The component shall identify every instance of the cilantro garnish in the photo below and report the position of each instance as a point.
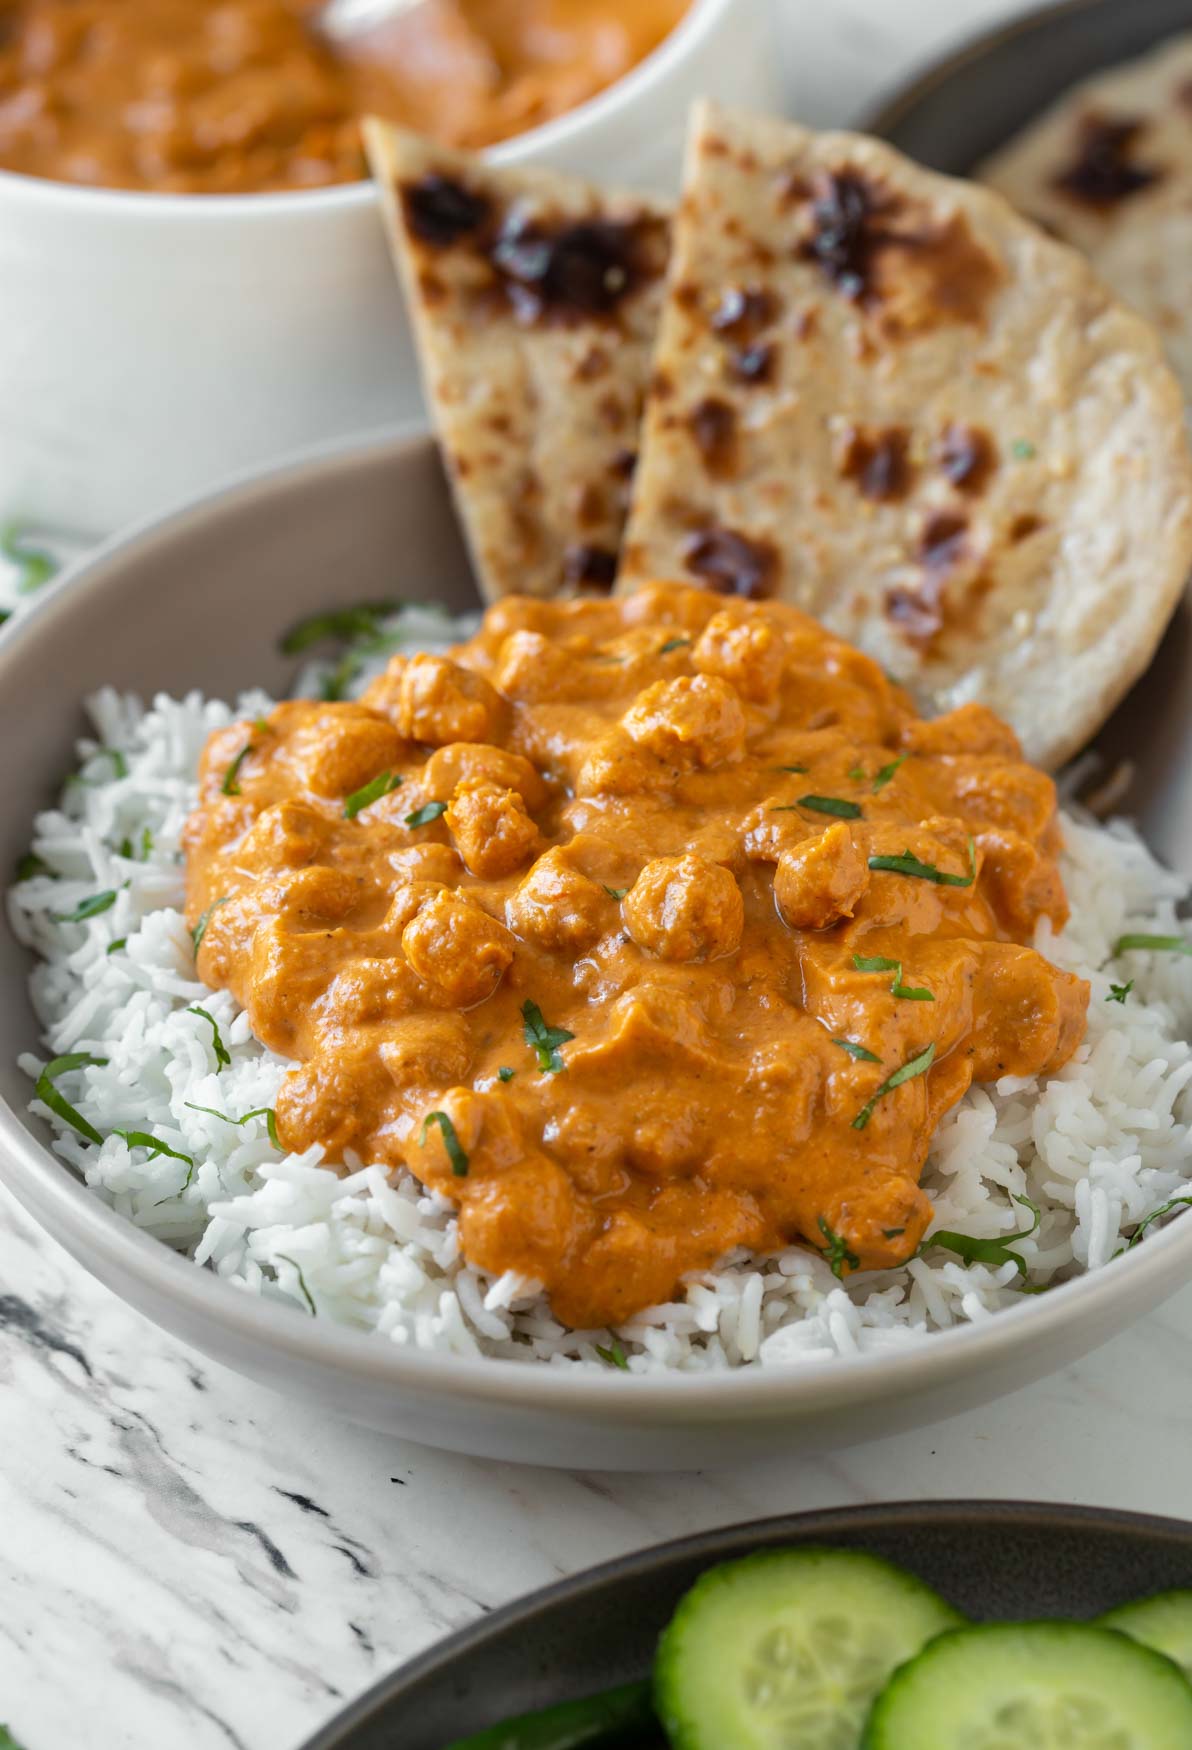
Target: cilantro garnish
(800, 771)
(972, 1250)
(857, 1051)
(265, 1112)
(223, 1056)
(882, 778)
(673, 644)
(119, 768)
(428, 812)
(1153, 944)
(831, 805)
(371, 792)
(505, 1074)
(617, 893)
(146, 1139)
(544, 1041)
(91, 907)
(1155, 1215)
(915, 1066)
(200, 929)
(30, 865)
(231, 778)
(836, 1252)
(905, 992)
(112, 948)
(451, 1142)
(361, 621)
(306, 1294)
(1119, 992)
(613, 1356)
(908, 864)
(337, 680)
(47, 1091)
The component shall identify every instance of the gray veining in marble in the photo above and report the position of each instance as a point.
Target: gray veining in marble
(185, 1561)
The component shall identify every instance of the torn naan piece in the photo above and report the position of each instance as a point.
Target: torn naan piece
(885, 397)
(535, 301)
(1109, 169)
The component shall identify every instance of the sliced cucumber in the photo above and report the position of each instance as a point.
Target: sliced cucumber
(1163, 1622)
(786, 1649)
(1034, 1686)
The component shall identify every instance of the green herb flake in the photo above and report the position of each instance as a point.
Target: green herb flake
(544, 1041)
(146, 1139)
(146, 845)
(30, 865)
(5, 616)
(335, 683)
(1153, 944)
(265, 1112)
(428, 812)
(451, 1142)
(617, 893)
(125, 849)
(360, 621)
(262, 726)
(858, 774)
(47, 1091)
(836, 1251)
(200, 929)
(904, 992)
(613, 1356)
(914, 1066)
(971, 1250)
(505, 1074)
(223, 1056)
(673, 644)
(7, 1741)
(1156, 1215)
(34, 565)
(306, 1293)
(831, 805)
(857, 1051)
(119, 768)
(381, 785)
(892, 1233)
(883, 777)
(92, 907)
(1119, 992)
(908, 864)
(1023, 450)
(800, 771)
(115, 947)
(231, 778)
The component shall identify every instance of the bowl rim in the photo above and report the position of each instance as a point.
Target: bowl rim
(888, 109)
(635, 83)
(65, 1204)
(719, 1543)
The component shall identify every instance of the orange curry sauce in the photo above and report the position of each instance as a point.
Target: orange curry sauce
(661, 820)
(237, 96)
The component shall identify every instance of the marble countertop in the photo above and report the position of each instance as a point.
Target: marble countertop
(186, 1560)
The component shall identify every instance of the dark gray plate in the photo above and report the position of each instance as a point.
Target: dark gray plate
(966, 106)
(990, 1558)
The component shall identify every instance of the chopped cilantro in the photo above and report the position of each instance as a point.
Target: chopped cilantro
(914, 1066)
(265, 1112)
(613, 1356)
(451, 1142)
(200, 929)
(115, 947)
(836, 1252)
(91, 907)
(47, 1091)
(831, 805)
(908, 864)
(1155, 1215)
(34, 565)
(30, 865)
(1153, 944)
(505, 1074)
(222, 1055)
(428, 812)
(381, 785)
(972, 1250)
(673, 644)
(146, 1139)
(617, 893)
(857, 1051)
(882, 778)
(544, 1041)
(1119, 992)
(231, 778)
(361, 621)
(905, 992)
(306, 1294)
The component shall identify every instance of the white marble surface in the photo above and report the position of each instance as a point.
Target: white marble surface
(187, 1562)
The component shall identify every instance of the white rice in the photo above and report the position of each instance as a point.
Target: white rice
(1097, 1148)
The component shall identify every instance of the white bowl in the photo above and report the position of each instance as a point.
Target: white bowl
(238, 568)
(152, 345)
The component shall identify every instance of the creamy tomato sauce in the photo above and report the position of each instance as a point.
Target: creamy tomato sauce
(671, 909)
(235, 96)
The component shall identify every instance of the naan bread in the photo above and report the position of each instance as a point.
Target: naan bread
(885, 397)
(535, 301)
(1109, 168)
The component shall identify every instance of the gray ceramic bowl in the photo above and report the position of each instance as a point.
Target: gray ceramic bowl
(198, 600)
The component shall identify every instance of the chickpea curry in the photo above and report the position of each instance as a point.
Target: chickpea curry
(641, 929)
(240, 96)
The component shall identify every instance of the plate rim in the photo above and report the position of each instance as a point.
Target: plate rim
(724, 1543)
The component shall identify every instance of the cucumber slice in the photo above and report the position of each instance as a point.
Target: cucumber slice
(786, 1649)
(1034, 1686)
(1163, 1622)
